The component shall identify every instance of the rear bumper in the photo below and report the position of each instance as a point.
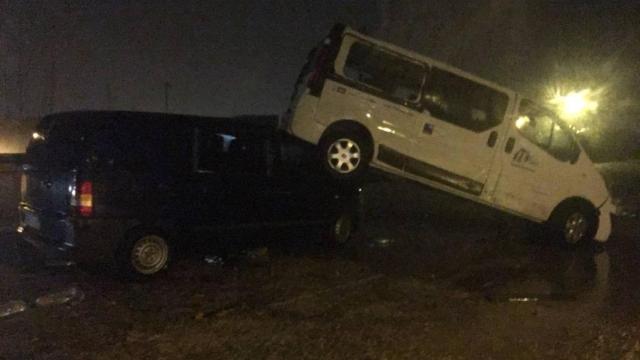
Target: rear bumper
(79, 240)
(301, 121)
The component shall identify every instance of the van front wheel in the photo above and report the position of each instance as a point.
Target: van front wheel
(345, 155)
(575, 225)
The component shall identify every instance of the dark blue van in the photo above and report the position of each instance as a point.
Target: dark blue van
(130, 188)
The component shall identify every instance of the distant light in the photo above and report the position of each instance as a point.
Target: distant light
(368, 115)
(575, 104)
(580, 131)
(37, 136)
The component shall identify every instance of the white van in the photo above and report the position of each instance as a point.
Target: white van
(366, 103)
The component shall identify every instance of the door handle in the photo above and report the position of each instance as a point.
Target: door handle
(493, 137)
(511, 142)
(427, 129)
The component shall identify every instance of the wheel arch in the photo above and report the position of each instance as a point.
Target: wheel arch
(574, 201)
(351, 125)
(139, 227)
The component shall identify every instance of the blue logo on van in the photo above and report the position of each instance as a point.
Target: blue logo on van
(522, 158)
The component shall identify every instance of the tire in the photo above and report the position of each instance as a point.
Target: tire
(341, 229)
(345, 154)
(143, 255)
(574, 225)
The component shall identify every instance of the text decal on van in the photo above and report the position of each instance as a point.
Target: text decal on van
(523, 159)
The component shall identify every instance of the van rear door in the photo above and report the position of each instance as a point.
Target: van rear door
(49, 179)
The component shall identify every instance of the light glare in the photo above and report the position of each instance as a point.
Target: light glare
(522, 121)
(575, 104)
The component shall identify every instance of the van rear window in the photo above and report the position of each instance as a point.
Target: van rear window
(102, 143)
(61, 146)
(385, 72)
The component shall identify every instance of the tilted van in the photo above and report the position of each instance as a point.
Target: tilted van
(366, 103)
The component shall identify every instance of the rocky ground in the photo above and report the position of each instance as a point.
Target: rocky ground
(427, 277)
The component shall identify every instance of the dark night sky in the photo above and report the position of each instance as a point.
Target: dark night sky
(232, 57)
(221, 57)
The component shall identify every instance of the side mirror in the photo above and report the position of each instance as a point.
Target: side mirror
(575, 154)
(572, 154)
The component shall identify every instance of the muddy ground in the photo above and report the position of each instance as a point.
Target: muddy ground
(427, 277)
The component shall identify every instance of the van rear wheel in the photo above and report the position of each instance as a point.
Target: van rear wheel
(345, 154)
(143, 255)
(341, 229)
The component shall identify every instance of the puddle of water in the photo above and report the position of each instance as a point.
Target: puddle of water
(549, 275)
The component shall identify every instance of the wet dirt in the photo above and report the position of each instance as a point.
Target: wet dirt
(449, 281)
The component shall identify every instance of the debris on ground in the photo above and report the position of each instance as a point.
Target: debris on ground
(72, 295)
(12, 307)
(381, 242)
(634, 353)
(523, 299)
(214, 260)
(59, 263)
(258, 256)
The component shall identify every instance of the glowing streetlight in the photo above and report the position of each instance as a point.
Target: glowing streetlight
(575, 104)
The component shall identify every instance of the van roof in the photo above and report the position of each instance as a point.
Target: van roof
(423, 58)
(252, 121)
(141, 115)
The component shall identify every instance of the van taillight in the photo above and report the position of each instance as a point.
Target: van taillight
(316, 79)
(84, 202)
(324, 58)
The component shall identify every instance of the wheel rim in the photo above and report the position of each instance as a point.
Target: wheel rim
(575, 228)
(342, 229)
(149, 254)
(344, 155)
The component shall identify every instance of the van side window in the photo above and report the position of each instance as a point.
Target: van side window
(229, 154)
(211, 150)
(540, 127)
(536, 128)
(391, 75)
(562, 146)
(463, 102)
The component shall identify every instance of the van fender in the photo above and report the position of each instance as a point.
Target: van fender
(350, 125)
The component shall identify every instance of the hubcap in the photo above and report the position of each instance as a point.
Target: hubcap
(342, 229)
(575, 228)
(344, 156)
(150, 254)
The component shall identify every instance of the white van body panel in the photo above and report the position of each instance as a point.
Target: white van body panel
(527, 181)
